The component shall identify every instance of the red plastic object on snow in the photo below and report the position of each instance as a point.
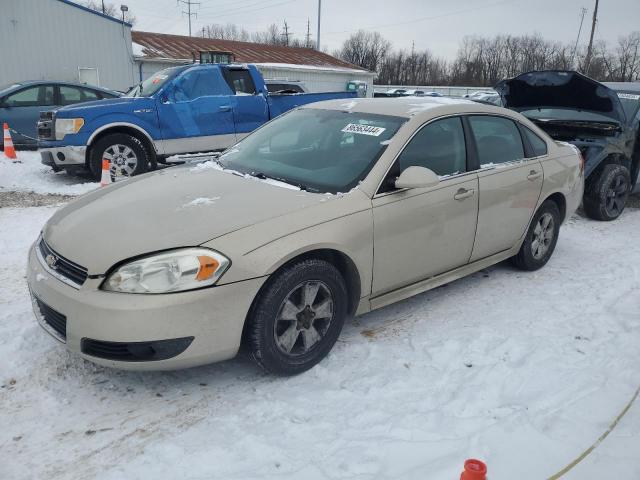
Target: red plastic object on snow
(474, 470)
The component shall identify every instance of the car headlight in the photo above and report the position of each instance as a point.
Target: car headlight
(66, 126)
(173, 271)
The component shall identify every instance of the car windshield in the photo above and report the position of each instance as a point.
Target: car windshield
(152, 84)
(565, 114)
(316, 150)
(630, 103)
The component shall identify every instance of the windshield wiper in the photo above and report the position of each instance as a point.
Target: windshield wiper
(263, 176)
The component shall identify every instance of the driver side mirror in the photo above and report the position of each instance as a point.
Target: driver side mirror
(417, 177)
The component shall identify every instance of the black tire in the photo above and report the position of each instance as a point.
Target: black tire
(526, 259)
(143, 156)
(263, 326)
(606, 193)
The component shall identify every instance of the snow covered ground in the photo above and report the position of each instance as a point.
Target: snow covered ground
(29, 175)
(522, 370)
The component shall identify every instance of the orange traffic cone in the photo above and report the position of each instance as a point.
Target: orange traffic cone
(105, 179)
(9, 151)
(474, 470)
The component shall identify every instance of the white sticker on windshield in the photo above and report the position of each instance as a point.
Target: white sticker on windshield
(363, 129)
(629, 96)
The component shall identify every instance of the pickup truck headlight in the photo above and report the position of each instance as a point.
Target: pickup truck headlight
(66, 126)
(173, 271)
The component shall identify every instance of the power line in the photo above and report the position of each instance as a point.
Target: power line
(431, 17)
(188, 3)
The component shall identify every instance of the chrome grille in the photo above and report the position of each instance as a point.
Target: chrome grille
(60, 266)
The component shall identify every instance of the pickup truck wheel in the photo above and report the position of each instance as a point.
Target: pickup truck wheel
(541, 238)
(606, 194)
(128, 156)
(297, 317)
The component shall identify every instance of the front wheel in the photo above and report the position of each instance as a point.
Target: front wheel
(606, 194)
(541, 238)
(127, 156)
(297, 317)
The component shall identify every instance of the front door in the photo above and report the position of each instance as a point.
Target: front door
(510, 184)
(21, 110)
(195, 113)
(422, 232)
(250, 109)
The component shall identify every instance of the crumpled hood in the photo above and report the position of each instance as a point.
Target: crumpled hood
(176, 207)
(560, 89)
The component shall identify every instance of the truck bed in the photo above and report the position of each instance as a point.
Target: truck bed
(278, 104)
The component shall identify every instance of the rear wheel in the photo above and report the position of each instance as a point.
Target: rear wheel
(127, 156)
(606, 194)
(541, 238)
(297, 318)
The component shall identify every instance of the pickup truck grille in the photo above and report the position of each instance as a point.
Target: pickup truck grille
(46, 125)
(61, 266)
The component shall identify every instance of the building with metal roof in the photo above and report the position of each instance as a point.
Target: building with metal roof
(319, 71)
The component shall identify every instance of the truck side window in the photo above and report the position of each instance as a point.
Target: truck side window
(240, 81)
(198, 83)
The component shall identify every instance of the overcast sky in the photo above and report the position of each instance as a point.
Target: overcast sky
(434, 24)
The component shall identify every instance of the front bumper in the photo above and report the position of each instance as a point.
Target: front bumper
(214, 317)
(64, 156)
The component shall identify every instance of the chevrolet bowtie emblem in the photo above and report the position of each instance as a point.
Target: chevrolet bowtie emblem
(52, 261)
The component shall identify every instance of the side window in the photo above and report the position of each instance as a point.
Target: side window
(70, 95)
(198, 83)
(31, 97)
(538, 145)
(240, 81)
(497, 138)
(89, 95)
(438, 146)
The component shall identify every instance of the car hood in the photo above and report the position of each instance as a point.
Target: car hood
(107, 103)
(176, 207)
(560, 89)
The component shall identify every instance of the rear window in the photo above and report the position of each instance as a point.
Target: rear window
(240, 81)
(630, 103)
(538, 145)
(497, 138)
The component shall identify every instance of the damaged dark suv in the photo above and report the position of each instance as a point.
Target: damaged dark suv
(602, 120)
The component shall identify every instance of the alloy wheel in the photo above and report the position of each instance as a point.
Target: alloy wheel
(542, 236)
(616, 196)
(122, 160)
(303, 318)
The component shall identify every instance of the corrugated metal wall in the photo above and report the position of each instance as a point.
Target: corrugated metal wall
(49, 39)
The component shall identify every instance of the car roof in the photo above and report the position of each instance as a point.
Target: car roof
(406, 106)
(633, 87)
(26, 83)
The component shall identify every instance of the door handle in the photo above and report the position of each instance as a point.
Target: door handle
(464, 193)
(534, 175)
(224, 108)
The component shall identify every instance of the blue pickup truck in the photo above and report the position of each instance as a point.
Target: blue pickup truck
(185, 109)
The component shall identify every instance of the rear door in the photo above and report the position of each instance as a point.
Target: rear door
(194, 112)
(249, 106)
(509, 183)
(21, 111)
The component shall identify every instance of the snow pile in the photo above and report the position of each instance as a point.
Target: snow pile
(523, 370)
(202, 201)
(29, 175)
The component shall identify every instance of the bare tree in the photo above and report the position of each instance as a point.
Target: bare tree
(366, 49)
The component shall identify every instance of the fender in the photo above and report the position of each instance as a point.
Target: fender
(122, 124)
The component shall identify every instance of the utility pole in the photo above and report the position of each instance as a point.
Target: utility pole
(286, 33)
(307, 37)
(103, 7)
(583, 12)
(318, 36)
(587, 61)
(188, 3)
